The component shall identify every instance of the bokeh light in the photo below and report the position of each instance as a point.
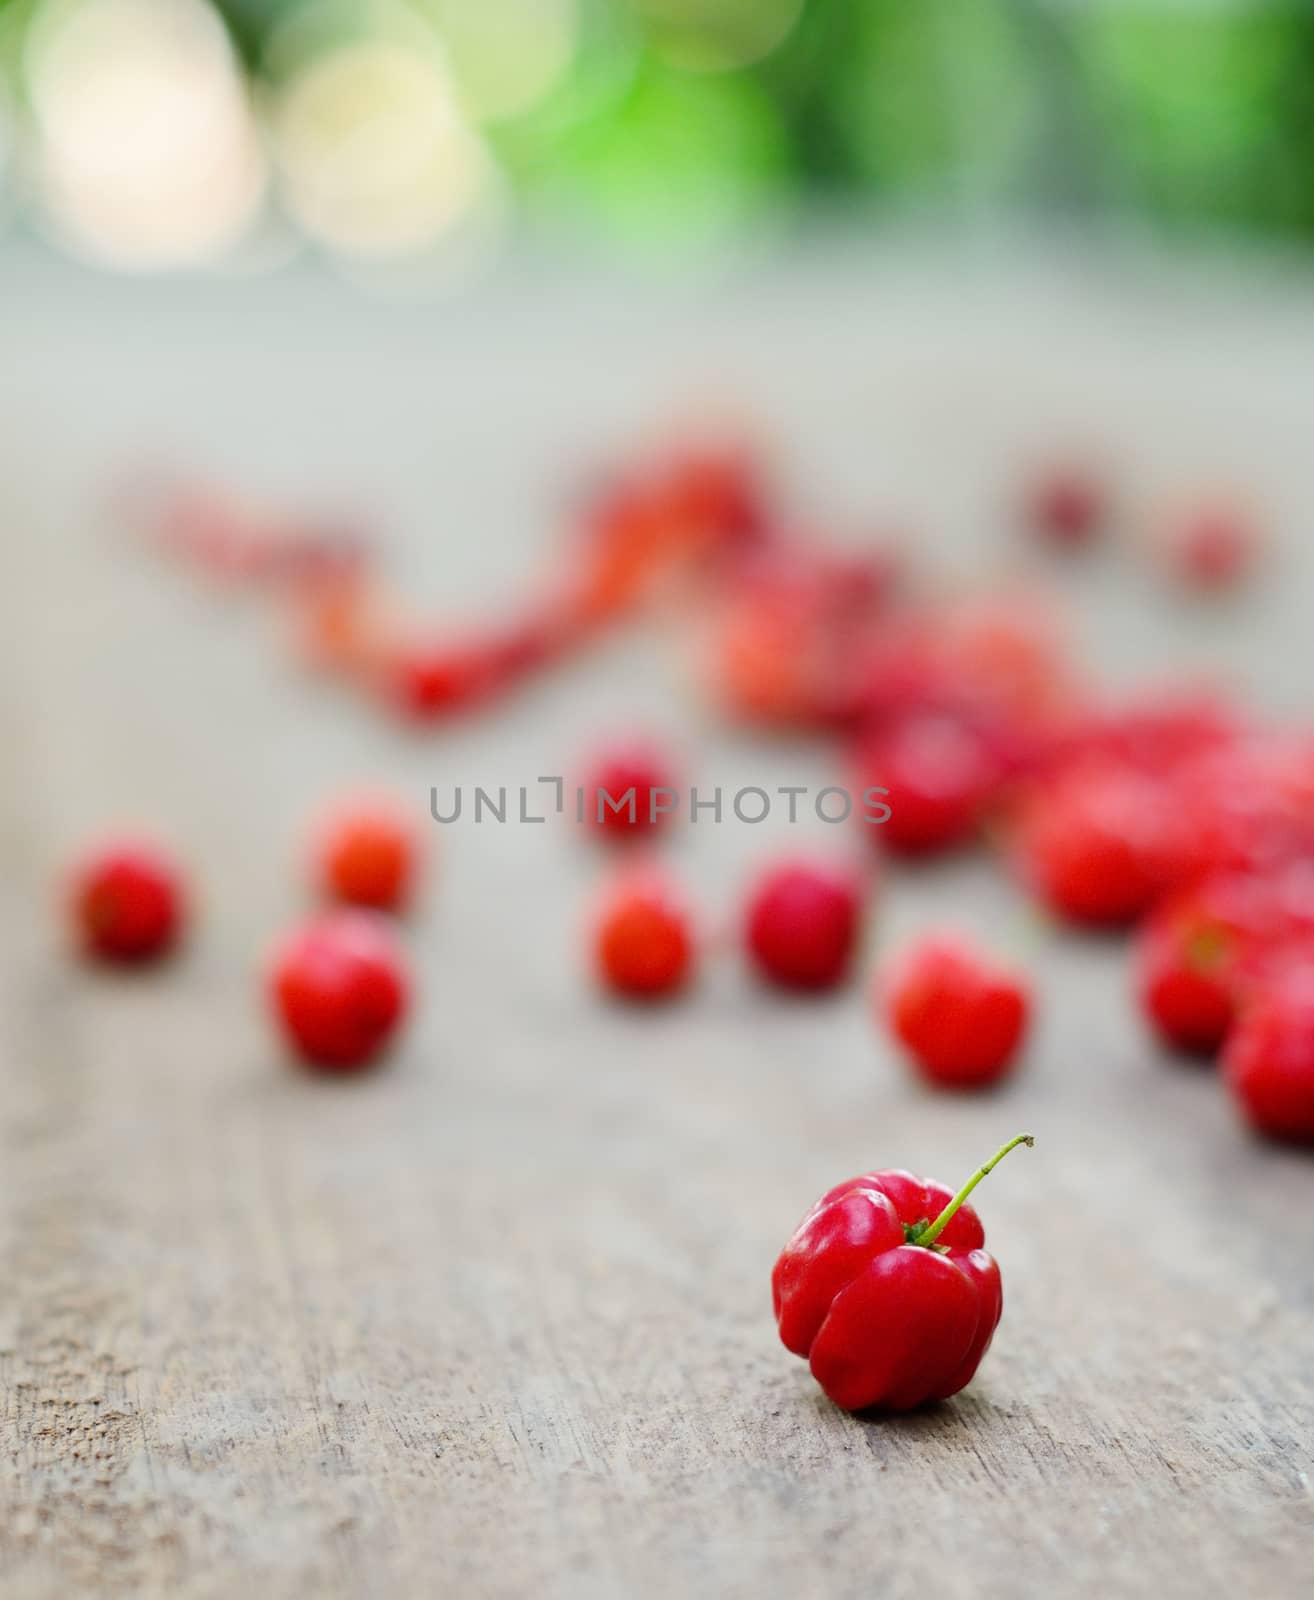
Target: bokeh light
(919, 117)
(506, 55)
(149, 134)
(1201, 137)
(718, 35)
(376, 155)
(146, 154)
(679, 159)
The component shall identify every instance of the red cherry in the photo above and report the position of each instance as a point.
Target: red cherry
(718, 489)
(960, 1014)
(1100, 845)
(1190, 955)
(1250, 805)
(1212, 547)
(794, 632)
(127, 901)
(1159, 733)
(426, 680)
(339, 987)
(803, 924)
(643, 945)
(608, 805)
(1067, 506)
(1268, 1060)
(1279, 946)
(367, 854)
(939, 773)
(760, 662)
(1006, 654)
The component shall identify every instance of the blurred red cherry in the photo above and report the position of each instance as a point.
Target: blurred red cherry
(802, 924)
(960, 1014)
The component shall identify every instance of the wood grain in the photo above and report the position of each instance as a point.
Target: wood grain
(495, 1321)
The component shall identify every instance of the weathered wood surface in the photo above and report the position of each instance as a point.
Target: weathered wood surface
(495, 1320)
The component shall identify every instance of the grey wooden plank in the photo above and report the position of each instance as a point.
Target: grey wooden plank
(498, 1316)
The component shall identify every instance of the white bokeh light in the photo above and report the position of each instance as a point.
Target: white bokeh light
(376, 157)
(145, 152)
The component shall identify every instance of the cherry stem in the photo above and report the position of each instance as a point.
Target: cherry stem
(933, 1230)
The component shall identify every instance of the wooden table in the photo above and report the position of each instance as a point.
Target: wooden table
(495, 1320)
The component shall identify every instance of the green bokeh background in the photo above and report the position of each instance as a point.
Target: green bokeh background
(1178, 115)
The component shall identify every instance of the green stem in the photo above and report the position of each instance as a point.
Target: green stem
(933, 1230)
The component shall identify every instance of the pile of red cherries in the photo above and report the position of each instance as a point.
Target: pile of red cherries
(1174, 817)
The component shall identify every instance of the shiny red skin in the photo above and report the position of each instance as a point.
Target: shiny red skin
(882, 1322)
(939, 774)
(1067, 506)
(1156, 733)
(1268, 1059)
(367, 854)
(638, 766)
(643, 942)
(1100, 845)
(802, 925)
(127, 902)
(339, 987)
(1284, 959)
(961, 1015)
(1191, 953)
(1249, 804)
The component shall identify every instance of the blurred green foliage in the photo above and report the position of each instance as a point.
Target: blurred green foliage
(1179, 113)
